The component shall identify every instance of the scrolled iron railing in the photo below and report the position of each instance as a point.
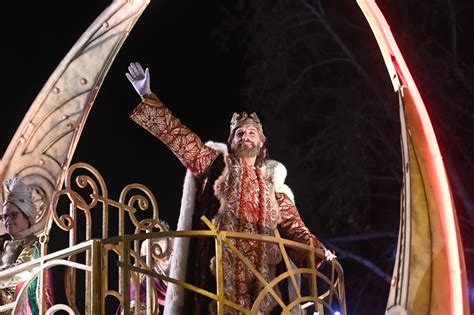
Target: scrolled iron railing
(102, 255)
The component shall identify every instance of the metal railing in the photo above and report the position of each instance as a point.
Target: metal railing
(105, 259)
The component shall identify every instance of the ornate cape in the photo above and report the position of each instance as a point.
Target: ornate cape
(274, 170)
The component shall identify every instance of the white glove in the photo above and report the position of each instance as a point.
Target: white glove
(140, 79)
(329, 255)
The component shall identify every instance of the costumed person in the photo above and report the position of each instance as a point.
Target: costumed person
(236, 186)
(161, 249)
(20, 245)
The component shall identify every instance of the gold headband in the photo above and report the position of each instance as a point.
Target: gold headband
(244, 118)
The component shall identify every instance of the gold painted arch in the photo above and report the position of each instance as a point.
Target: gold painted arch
(429, 276)
(42, 148)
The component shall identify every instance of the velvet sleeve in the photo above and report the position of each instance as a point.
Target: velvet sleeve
(155, 117)
(292, 227)
(30, 304)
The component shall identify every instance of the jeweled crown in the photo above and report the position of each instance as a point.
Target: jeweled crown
(244, 118)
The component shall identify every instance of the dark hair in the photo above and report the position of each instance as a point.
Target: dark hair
(27, 219)
(262, 155)
(25, 216)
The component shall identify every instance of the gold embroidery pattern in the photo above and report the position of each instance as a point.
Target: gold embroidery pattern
(293, 228)
(155, 117)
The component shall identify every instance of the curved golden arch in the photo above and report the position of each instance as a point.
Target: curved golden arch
(404, 83)
(56, 118)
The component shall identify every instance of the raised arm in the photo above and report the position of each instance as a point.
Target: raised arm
(155, 117)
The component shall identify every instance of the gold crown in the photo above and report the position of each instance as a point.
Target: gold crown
(244, 118)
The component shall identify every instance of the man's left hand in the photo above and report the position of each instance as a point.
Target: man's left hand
(329, 255)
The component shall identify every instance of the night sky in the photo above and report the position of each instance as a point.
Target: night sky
(186, 70)
(203, 84)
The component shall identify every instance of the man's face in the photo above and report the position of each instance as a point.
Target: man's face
(13, 219)
(246, 141)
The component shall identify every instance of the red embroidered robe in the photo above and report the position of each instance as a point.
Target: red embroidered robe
(248, 203)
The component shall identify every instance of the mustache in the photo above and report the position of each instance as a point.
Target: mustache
(246, 141)
(240, 149)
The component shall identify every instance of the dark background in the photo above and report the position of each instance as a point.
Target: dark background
(313, 72)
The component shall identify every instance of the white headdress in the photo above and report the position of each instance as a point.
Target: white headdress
(20, 195)
(159, 246)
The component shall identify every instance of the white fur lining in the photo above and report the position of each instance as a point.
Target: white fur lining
(178, 264)
(274, 169)
(277, 173)
(179, 260)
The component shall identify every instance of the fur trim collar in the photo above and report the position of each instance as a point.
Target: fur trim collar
(271, 168)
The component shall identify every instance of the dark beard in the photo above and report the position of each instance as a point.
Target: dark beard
(243, 151)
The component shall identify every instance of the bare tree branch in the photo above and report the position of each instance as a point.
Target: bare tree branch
(319, 64)
(342, 253)
(362, 237)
